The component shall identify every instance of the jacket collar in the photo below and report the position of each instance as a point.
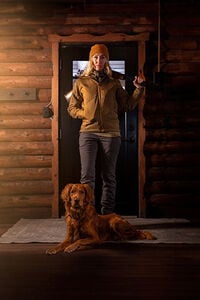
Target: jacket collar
(99, 76)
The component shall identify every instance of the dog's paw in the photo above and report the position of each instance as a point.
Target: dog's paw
(70, 249)
(51, 251)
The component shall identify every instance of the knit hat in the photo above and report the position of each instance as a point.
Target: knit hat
(99, 48)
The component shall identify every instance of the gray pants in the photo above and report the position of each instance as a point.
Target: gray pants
(89, 145)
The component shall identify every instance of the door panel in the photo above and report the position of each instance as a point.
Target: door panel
(69, 162)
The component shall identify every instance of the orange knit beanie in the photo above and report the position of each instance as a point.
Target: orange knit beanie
(99, 48)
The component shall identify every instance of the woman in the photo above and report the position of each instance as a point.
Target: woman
(97, 98)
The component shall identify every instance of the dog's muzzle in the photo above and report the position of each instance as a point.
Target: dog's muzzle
(76, 204)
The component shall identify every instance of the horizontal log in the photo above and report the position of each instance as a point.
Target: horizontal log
(171, 121)
(43, 31)
(24, 42)
(13, 28)
(29, 69)
(77, 7)
(12, 8)
(26, 148)
(173, 135)
(27, 55)
(25, 174)
(171, 95)
(182, 68)
(25, 81)
(185, 44)
(179, 19)
(15, 94)
(14, 122)
(114, 9)
(185, 80)
(44, 95)
(171, 187)
(183, 56)
(25, 161)
(25, 135)
(36, 187)
(18, 109)
(169, 173)
(171, 107)
(99, 8)
(23, 201)
(182, 31)
(179, 81)
(35, 37)
(95, 19)
(173, 160)
(13, 215)
(172, 147)
(36, 26)
(175, 199)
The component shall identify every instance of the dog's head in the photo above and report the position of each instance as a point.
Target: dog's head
(77, 196)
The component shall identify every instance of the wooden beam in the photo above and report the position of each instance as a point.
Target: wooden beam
(89, 38)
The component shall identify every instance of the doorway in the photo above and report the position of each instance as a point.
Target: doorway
(125, 56)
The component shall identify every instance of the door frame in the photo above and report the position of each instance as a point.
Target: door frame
(88, 38)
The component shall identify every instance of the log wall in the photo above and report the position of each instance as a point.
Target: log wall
(171, 110)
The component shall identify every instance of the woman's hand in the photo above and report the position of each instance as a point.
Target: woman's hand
(139, 80)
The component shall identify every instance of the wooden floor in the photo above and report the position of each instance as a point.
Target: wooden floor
(113, 271)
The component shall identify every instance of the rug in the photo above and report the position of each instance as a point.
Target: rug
(54, 230)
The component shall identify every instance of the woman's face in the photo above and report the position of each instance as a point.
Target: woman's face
(99, 61)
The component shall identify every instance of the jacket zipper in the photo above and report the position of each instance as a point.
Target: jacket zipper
(100, 114)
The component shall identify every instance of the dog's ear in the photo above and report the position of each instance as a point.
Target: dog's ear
(65, 194)
(89, 193)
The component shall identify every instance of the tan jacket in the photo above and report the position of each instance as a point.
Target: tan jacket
(99, 104)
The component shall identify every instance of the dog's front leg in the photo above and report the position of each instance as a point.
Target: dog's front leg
(60, 247)
(70, 237)
(82, 244)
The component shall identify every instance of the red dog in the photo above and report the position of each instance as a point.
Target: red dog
(85, 228)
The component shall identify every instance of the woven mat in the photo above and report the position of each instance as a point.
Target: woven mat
(54, 230)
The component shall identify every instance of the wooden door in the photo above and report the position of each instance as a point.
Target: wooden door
(69, 161)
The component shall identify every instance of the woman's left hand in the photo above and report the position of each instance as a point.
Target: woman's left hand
(138, 82)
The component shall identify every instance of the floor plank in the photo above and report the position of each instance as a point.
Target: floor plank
(112, 271)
